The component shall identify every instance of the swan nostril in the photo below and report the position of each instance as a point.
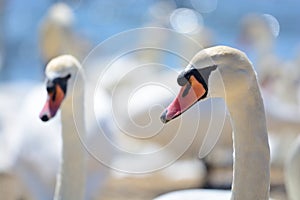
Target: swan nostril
(44, 118)
(181, 80)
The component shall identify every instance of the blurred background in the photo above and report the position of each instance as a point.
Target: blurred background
(33, 32)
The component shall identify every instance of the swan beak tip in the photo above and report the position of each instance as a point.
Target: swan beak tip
(163, 117)
(44, 118)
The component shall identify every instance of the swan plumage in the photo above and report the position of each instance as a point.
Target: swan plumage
(57, 35)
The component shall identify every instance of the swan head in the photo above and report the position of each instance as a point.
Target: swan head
(220, 71)
(61, 73)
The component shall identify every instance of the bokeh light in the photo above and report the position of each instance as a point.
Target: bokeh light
(185, 20)
(273, 24)
(204, 6)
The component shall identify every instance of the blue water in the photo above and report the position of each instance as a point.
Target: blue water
(99, 19)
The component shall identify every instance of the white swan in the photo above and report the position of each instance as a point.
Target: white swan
(61, 73)
(57, 35)
(203, 78)
(292, 171)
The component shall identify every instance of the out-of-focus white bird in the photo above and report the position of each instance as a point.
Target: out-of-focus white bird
(279, 81)
(29, 143)
(275, 75)
(62, 77)
(57, 35)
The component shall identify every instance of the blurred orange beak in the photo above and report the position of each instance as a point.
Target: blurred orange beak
(188, 95)
(52, 104)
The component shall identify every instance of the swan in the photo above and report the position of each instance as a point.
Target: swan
(292, 172)
(204, 78)
(61, 73)
(275, 75)
(57, 35)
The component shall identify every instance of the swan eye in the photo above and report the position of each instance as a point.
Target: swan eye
(50, 87)
(62, 82)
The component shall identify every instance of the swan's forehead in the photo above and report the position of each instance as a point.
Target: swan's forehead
(61, 66)
(228, 60)
(202, 60)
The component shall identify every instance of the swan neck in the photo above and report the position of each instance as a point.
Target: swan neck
(251, 176)
(71, 179)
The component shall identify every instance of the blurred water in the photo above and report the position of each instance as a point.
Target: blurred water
(100, 19)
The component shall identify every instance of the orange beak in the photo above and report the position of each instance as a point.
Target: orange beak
(52, 104)
(188, 95)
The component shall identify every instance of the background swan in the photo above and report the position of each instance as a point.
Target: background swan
(57, 35)
(204, 76)
(61, 73)
(260, 32)
(29, 143)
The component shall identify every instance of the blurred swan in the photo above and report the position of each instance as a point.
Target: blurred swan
(251, 176)
(275, 75)
(61, 74)
(57, 35)
(29, 144)
(186, 22)
(259, 31)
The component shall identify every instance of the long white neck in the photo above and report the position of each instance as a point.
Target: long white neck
(251, 176)
(71, 180)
